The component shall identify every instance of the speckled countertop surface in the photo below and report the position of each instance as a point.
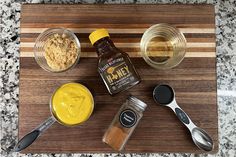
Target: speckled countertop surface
(226, 73)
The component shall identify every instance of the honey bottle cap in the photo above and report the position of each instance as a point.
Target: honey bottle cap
(97, 35)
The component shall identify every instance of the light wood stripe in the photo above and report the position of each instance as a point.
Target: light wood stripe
(116, 31)
(189, 44)
(124, 39)
(132, 54)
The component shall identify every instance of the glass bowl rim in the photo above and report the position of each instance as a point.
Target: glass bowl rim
(52, 31)
(144, 42)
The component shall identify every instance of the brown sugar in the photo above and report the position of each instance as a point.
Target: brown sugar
(60, 51)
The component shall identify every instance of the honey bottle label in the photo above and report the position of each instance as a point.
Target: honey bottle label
(116, 73)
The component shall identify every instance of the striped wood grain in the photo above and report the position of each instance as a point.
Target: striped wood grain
(194, 80)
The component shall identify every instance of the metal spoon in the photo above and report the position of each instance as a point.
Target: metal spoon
(165, 95)
(29, 138)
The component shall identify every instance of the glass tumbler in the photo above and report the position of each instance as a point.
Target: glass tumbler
(163, 46)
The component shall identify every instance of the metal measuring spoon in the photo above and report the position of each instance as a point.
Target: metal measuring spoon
(29, 138)
(165, 95)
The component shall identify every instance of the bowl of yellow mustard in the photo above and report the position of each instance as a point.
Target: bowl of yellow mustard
(57, 50)
(72, 104)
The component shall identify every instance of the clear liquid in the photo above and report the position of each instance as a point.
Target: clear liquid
(159, 49)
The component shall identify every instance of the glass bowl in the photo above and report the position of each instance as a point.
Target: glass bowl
(163, 46)
(39, 53)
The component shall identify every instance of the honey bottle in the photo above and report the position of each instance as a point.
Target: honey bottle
(114, 65)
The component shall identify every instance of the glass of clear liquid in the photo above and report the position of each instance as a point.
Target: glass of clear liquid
(163, 46)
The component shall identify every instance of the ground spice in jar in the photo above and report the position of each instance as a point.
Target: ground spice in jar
(119, 134)
(124, 123)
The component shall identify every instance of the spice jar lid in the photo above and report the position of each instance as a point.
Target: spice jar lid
(138, 102)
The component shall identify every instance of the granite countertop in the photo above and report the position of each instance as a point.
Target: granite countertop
(226, 72)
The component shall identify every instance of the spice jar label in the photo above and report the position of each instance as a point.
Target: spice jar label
(128, 118)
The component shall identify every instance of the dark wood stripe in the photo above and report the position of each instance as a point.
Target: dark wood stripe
(116, 20)
(117, 26)
(207, 10)
(126, 38)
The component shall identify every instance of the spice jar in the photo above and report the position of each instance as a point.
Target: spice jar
(114, 65)
(124, 123)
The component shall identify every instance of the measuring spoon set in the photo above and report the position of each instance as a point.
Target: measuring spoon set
(165, 96)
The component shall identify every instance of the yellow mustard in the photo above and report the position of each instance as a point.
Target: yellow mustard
(72, 103)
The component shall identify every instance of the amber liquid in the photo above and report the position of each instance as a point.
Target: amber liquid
(159, 50)
(115, 67)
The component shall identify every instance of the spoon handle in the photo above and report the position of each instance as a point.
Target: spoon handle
(29, 138)
(183, 117)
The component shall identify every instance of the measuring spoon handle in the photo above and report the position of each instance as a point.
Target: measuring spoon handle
(183, 117)
(29, 138)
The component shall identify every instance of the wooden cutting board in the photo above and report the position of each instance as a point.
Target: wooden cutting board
(194, 80)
